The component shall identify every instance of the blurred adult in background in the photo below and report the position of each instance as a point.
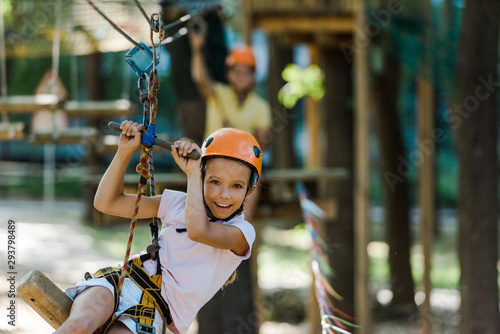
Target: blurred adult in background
(235, 104)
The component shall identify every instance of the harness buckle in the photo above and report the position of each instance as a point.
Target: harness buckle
(144, 329)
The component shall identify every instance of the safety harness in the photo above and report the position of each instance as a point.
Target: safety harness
(151, 298)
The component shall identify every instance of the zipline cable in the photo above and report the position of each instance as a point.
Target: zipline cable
(130, 39)
(151, 25)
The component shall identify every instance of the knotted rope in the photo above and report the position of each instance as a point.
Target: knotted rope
(145, 169)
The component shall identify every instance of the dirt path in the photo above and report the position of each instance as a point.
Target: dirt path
(50, 239)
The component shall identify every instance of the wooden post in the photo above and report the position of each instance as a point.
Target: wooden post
(45, 298)
(313, 121)
(362, 180)
(426, 191)
(426, 150)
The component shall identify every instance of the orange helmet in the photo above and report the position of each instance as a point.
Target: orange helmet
(236, 144)
(241, 56)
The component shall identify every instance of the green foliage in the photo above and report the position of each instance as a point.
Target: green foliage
(301, 82)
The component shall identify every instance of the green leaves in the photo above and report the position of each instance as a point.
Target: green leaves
(301, 82)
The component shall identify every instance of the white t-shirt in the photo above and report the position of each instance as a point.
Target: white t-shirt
(191, 272)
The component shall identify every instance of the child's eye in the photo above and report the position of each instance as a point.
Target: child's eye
(239, 186)
(215, 182)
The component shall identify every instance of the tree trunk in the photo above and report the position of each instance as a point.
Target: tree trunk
(337, 128)
(396, 192)
(476, 115)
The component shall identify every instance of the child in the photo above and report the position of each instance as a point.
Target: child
(203, 239)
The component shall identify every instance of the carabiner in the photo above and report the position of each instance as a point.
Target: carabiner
(156, 22)
(138, 70)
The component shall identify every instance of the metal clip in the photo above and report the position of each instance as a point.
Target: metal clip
(138, 70)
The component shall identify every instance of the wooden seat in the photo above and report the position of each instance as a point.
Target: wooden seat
(39, 292)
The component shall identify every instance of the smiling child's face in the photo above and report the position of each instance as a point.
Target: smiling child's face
(226, 183)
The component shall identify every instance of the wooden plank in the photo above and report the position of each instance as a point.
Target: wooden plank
(99, 109)
(39, 292)
(30, 103)
(307, 174)
(88, 109)
(11, 131)
(297, 6)
(70, 136)
(290, 24)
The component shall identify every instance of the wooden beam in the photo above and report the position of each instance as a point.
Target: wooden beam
(426, 186)
(39, 292)
(11, 131)
(426, 191)
(362, 183)
(98, 109)
(29, 103)
(313, 121)
(70, 136)
(88, 109)
(296, 23)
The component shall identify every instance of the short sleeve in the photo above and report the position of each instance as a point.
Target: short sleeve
(170, 200)
(249, 232)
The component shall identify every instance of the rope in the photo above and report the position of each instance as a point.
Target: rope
(333, 320)
(140, 191)
(146, 170)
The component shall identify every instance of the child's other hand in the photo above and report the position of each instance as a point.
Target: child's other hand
(180, 150)
(130, 138)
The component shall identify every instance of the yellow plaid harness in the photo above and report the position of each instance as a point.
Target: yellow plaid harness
(151, 298)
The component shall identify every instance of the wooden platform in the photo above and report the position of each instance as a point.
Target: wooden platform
(29, 103)
(86, 109)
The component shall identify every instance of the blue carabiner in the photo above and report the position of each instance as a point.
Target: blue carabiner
(149, 138)
(138, 70)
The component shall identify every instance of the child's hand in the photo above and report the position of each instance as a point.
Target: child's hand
(180, 150)
(130, 138)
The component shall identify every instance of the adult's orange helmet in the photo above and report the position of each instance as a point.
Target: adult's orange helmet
(234, 144)
(241, 56)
